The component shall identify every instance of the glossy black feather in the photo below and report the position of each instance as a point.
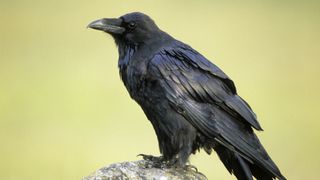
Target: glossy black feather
(204, 81)
(190, 102)
(208, 103)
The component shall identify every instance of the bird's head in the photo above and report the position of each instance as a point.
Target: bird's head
(133, 28)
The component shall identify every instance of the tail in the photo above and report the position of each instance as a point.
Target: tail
(242, 168)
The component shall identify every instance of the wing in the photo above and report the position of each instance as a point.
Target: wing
(202, 81)
(207, 98)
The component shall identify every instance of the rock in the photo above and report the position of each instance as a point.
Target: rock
(143, 169)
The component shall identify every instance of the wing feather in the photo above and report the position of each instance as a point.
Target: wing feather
(203, 81)
(208, 100)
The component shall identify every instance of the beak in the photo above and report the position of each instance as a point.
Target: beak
(109, 25)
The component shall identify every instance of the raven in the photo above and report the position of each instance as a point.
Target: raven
(190, 102)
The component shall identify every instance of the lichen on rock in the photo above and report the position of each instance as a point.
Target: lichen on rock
(144, 169)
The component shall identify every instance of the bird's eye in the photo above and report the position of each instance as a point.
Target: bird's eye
(132, 25)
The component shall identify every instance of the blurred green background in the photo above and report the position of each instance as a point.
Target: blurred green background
(64, 111)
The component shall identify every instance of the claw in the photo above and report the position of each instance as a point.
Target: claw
(150, 157)
(144, 156)
(172, 162)
(191, 167)
(159, 162)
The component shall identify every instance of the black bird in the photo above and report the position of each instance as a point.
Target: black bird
(190, 102)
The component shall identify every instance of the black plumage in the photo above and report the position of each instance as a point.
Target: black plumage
(190, 102)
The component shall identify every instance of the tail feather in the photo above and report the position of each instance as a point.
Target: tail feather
(259, 173)
(234, 163)
(240, 167)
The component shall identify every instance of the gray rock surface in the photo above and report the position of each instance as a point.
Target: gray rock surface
(143, 170)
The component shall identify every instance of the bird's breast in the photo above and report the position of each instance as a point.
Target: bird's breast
(134, 77)
(142, 87)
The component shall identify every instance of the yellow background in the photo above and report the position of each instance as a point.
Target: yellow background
(64, 111)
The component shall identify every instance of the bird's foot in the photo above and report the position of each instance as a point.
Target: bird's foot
(190, 167)
(159, 161)
(151, 158)
(156, 161)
